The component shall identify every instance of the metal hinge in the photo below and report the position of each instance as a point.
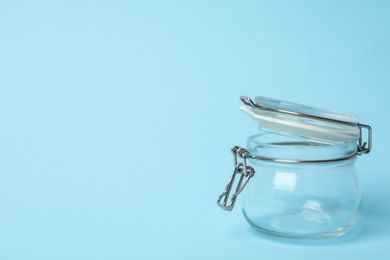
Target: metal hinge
(362, 149)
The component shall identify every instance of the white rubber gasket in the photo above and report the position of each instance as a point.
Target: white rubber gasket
(304, 128)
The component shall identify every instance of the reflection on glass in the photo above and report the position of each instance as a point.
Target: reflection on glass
(285, 181)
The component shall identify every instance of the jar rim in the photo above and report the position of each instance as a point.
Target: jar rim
(281, 147)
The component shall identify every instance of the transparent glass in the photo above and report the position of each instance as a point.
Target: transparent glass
(301, 201)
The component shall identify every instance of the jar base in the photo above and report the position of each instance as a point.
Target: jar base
(300, 228)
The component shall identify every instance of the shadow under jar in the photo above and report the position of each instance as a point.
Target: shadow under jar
(299, 184)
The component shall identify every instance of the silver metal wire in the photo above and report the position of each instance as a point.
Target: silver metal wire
(246, 172)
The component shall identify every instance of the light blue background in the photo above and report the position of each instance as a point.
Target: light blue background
(117, 118)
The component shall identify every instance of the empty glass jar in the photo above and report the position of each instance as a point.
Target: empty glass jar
(298, 171)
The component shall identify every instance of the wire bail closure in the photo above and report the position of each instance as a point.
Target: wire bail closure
(247, 172)
(239, 168)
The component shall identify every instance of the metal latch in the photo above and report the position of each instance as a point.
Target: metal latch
(239, 168)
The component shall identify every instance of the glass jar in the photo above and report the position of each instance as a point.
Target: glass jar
(298, 171)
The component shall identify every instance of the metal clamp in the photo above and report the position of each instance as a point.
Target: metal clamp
(239, 168)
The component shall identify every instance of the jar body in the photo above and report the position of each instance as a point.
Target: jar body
(301, 200)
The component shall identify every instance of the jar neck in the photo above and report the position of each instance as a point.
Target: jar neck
(284, 147)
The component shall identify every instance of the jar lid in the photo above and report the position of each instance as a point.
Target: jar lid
(302, 121)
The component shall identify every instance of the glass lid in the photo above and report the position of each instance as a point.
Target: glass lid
(301, 121)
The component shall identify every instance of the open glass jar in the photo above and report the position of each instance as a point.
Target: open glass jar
(298, 172)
